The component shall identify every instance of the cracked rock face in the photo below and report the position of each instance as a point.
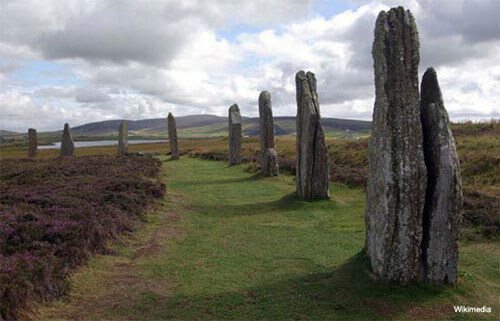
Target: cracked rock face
(32, 142)
(312, 167)
(67, 145)
(172, 136)
(234, 135)
(397, 175)
(443, 203)
(123, 138)
(269, 157)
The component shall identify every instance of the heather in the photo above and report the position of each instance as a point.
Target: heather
(55, 213)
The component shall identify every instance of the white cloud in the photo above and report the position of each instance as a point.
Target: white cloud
(15, 105)
(129, 30)
(91, 95)
(139, 60)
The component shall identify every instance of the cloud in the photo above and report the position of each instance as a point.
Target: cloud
(119, 33)
(48, 114)
(6, 69)
(15, 105)
(91, 95)
(55, 92)
(130, 59)
(474, 21)
(129, 30)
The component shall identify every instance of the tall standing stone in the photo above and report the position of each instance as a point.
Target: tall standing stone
(443, 203)
(67, 145)
(234, 135)
(397, 175)
(172, 136)
(32, 143)
(268, 157)
(123, 138)
(312, 166)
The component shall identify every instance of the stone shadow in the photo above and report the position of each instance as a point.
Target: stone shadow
(288, 202)
(222, 181)
(347, 292)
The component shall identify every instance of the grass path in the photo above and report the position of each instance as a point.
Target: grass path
(226, 244)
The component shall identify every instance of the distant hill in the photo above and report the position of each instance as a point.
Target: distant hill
(210, 125)
(197, 126)
(4, 133)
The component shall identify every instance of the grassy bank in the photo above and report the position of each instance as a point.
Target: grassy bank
(230, 245)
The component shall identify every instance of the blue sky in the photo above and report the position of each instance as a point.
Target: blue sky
(80, 61)
(33, 73)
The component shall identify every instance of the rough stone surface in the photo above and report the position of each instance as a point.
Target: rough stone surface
(123, 138)
(234, 135)
(67, 145)
(32, 142)
(443, 203)
(172, 136)
(397, 175)
(312, 154)
(268, 155)
(270, 162)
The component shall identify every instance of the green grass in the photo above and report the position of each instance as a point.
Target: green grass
(250, 239)
(227, 244)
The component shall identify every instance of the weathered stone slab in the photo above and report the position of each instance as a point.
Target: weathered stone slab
(312, 165)
(32, 143)
(67, 145)
(268, 157)
(123, 138)
(397, 176)
(270, 162)
(443, 203)
(172, 137)
(234, 135)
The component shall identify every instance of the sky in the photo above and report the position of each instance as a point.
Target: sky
(81, 61)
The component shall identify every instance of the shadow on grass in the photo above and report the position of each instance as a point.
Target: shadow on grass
(287, 203)
(222, 181)
(348, 292)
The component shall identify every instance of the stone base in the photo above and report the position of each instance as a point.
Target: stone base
(270, 162)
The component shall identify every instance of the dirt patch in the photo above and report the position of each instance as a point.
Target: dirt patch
(434, 312)
(159, 236)
(380, 307)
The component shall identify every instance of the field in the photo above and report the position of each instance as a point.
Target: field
(477, 143)
(230, 245)
(226, 243)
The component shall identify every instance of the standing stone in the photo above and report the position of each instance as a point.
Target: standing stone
(32, 143)
(312, 166)
(123, 138)
(172, 136)
(269, 157)
(397, 176)
(234, 135)
(443, 202)
(67, 145)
